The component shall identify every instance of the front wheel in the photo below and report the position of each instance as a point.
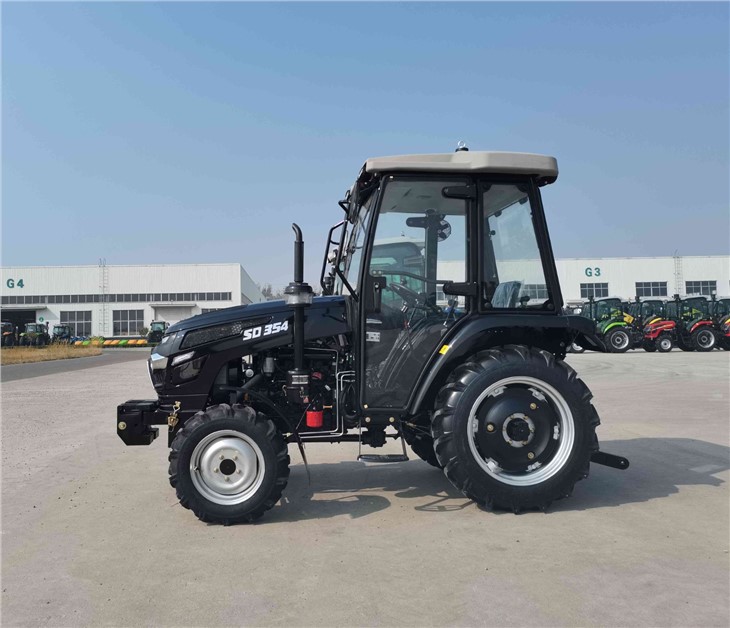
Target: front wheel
(514, 428)
(664, 344)
(229, 464)
(618, 340)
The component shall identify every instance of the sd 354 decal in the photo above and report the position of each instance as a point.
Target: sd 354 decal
(265, 330)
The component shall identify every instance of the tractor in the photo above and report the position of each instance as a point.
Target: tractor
(478, 387)
(721, 315)
(8, 334)
(695, 326)
(614, 325)
(62, 333)
(35, 335)
(659, 333)
(157, 331)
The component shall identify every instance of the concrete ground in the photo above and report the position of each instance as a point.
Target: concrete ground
(93, 535)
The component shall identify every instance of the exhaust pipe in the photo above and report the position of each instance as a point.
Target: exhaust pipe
(298, 296)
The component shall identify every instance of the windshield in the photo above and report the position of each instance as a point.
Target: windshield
(608, 309)
(59, 329)
(652, 308)
(34, 328)
(694, 307)
(157, 327)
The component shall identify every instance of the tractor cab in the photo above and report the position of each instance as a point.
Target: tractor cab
(721, 316)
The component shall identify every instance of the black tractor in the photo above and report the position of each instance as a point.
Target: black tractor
(35, 335)
(453, 341)
(157, 331)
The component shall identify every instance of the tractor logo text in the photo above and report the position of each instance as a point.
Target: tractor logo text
(264, 330)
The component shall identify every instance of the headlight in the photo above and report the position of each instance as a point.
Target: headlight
(186, 371)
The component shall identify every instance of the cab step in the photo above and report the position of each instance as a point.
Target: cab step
(382, 458)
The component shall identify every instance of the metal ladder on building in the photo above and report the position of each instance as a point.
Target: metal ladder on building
(104, 296)
(678, 278)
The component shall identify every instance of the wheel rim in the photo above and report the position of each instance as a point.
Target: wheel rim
(553, 456)
(705, 339)
(227, 467)
(619, 340)
(665, 344)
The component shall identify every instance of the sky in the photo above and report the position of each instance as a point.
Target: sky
(198, 132)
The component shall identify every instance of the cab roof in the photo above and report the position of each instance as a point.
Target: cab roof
(542, 166)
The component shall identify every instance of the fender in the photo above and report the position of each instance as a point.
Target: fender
(699, 324)
(552, 333)
(614, 324)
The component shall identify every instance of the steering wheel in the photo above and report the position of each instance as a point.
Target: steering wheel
(410, 297)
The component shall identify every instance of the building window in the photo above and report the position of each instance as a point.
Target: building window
(127, 322)
(701, 287)
(80, 322)
(205, 310)
(595, 290)
(651, 288)
(535, 291)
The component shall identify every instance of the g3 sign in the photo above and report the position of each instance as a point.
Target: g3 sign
(11, 283)
(593, 272)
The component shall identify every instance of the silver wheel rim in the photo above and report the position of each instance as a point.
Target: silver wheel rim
(227, 467)
(705, 339)
(665, 344)
(619, 339)
(566, 433)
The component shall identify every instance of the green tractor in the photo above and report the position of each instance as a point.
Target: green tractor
(157, 331)
(35, 335)
(695, 325)
(8, 334)
(614, 325)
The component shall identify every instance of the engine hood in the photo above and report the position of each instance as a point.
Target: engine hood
(254, 310)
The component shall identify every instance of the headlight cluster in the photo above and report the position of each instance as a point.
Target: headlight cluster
(183, 371)
(211, 334)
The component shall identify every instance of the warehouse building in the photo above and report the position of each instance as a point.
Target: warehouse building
(118, 301)
(629, 277)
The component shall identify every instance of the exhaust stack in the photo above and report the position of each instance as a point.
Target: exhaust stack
(298, 296)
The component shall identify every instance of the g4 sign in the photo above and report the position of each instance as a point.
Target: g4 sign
(11, 283)
(593, 272)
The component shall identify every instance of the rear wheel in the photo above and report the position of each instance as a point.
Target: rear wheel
(704, 339)
(664, 344)
(514, 428)
(618, 340)
(229, 464)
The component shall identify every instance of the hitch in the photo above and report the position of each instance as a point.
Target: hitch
(610, 460)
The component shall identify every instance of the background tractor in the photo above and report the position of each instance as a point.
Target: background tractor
(659, 333)
(157, 331)
(35, 335)
(720, 311)
(478, 386)
(695, 330)
(614, 325)
(62, 333)
(8, 334)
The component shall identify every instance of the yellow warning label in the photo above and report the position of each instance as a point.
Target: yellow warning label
(444, 349)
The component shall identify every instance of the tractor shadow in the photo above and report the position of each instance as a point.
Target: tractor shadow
(659, 467)
(357, 489)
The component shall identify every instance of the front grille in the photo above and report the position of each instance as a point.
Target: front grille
(158, 378)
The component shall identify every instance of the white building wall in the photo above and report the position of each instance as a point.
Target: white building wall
(143, 287)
